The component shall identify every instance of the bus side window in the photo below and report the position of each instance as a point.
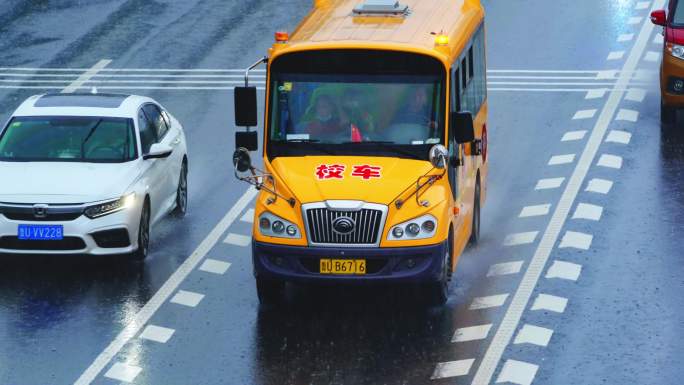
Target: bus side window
(473, 75)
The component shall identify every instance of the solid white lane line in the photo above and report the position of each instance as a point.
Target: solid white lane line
(170, 88)
(76, 84)
(90, 81)
(100, 75)
(652, 56)
(584, 114)
(537, 264)
(610, 161)
(564, 270)
(452, 369)
(248, 217)
(635, 95)
(237, 240)
(596, 93)
(471, 333)
(634, 20)
(615, 55)
(549, 183)
(617, 136)
(550, 84)
(607, 74)
(517, 372)
(169, 287)
(488, 301)
(187, 298)
(534, 211)
(627, 115)
(642, 5)
(520, 238)
(157, 334)
(576, 240)
(561, 159)
(625, 37)
(600, 186)
(573, 135)
(214, 266)
(535, 77)
(123, 372)
(550, 303)
(535, 335)
(587, 211)
(504, 268)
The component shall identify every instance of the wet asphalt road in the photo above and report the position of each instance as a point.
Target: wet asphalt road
(623, 319)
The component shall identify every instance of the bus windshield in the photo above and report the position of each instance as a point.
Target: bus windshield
(398, 114)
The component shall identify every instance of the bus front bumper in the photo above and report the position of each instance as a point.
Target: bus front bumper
(302, 264)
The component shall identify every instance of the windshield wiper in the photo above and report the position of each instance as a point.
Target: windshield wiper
(87, 138)
(390, 146)
(315, 143)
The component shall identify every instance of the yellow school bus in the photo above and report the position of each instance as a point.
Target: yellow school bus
(374, 145)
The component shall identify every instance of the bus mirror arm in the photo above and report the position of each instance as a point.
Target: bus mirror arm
(256, 177)
(422, 181)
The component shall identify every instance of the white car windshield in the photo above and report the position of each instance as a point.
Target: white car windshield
(68, 139)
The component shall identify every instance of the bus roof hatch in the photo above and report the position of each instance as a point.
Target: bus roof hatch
(381, 7)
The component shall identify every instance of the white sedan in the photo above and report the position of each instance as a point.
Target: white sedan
(89, 174)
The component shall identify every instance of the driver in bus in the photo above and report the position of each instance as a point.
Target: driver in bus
(326, 122)
(417, 110)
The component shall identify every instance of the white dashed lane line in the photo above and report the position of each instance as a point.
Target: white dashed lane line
(616, 55)
(471, 333)
(617, 136)
(452, 369)
(561, 159)
(214, 266)
(549, 183)
(535, 211)
(517, 372)
(248, 217)
(157, 334)
(588, 211)
(520, 238)
(634, 20)
(596, 93)
(625, 37)
(652, 56)
(535, 335)
(610, 161)
(187, 298)
(584, 114)
(237, 240)
(600, 186)
(564, 270)
(576, 240)
(627, 115)
(573, 135)
(488, 302)
(123, 372)
(550, 302)
(635, 95)
(505, 268)
(642, 5)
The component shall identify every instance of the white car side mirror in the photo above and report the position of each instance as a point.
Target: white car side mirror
(158, 151)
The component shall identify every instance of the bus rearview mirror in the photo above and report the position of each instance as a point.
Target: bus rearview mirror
(241, 160)
(245, 99)
(462, 128)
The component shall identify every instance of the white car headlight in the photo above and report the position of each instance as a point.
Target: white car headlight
(275, 226)
(675, 50)
(418, 228)
(110, 207)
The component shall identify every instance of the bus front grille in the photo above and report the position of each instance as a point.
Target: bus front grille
(324, 226)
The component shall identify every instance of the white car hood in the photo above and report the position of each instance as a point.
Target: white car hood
(64, 182)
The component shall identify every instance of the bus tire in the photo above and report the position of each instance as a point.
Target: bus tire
(475, 229)
(668, 114)
(437, 293)
(269, 291)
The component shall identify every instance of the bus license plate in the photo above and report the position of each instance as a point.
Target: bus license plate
(343, 266)
(40, 232)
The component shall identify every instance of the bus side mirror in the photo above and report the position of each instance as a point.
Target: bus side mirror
(245, 106)
(462, 128)
(241, 160)
(247, 139)
(658, 17)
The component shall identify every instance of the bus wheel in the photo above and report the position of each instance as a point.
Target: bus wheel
(437, 293)
(269, 291)
(475, 230)
(668, 114)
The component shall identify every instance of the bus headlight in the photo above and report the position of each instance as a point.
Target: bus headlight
(275, 226)
(418, 228)
(675, 50)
